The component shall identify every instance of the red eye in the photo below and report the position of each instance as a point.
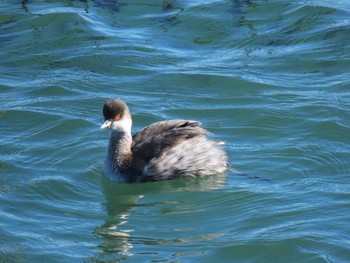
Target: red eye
(117, 117)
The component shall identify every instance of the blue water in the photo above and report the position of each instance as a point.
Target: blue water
(270, 78)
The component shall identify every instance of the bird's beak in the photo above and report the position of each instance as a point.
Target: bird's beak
(106, 124)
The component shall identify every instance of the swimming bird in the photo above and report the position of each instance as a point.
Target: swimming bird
(161, 151)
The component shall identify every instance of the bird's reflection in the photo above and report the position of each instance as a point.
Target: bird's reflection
(117, 232)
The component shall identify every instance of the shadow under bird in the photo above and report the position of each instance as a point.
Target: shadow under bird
(161, 151)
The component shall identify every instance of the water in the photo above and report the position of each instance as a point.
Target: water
(271, 78)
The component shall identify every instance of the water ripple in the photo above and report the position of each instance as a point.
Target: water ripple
(268, 77)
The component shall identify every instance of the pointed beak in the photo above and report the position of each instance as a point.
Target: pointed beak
(106, 124)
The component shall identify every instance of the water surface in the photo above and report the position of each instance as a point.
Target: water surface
(270, 78)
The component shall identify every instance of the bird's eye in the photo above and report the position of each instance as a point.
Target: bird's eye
(117, 117)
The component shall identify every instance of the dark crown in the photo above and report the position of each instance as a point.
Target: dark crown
(113, 108)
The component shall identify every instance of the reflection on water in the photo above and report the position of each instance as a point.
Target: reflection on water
(119, 236)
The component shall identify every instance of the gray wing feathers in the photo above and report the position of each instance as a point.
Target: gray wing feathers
(192, 158)
(151, 141)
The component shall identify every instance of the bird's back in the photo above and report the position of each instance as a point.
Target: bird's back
(176, 148)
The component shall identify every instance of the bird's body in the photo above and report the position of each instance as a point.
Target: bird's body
(161, 151)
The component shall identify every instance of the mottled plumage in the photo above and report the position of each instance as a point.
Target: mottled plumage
(163, 150)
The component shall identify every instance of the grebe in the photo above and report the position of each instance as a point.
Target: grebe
(161, 151)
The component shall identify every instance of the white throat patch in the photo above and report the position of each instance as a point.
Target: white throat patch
(123, 125)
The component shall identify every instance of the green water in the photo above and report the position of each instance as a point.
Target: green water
(270, 78)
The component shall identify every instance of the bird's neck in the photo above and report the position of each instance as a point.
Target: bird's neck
(119, 150)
